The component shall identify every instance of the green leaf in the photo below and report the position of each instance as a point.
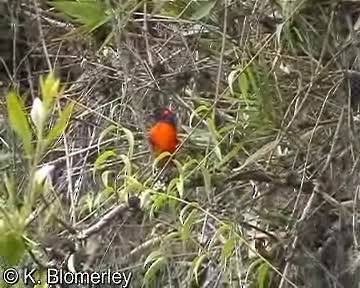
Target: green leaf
(127, 170)
(207, 180)
(173, 8)
(196, 266)
(228, 157)
(197, 111)
(18, 120)
(179, 168)
(88, 13)
(219, 234)
(185, 232)
(263, 273)
(49, 89)
(12, 246)
(153, 269)
(60, 125)
(214, 136)
(159, 202)
(104, 133)
(203, 9)
(130, 138)
(180, 186)
(89, 202)
(186, 228)
(171, 236)
(228, 248)
(105, 177)
(183, 213)
(231, 79)
(132, 187)
(158, 159)
(260, 153)
(172, 201)
(153, 256)
(253, 266)
(252, 79)
(107, 192)
(100, 161)
(145, 199)
(244, 85)
(11, 190)
(189, 164)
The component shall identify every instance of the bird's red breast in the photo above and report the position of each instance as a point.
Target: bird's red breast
(163, 134)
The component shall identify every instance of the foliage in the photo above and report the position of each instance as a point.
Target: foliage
(264, 160)
(20, 200)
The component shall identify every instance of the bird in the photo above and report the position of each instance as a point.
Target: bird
(163, 133)
(163, 138)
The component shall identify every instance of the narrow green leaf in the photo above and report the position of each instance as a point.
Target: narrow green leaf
(130, 138)
(88, 13)
(172, 185)
(159, 202)
(152, 257)
(50, 89)
(89, 202)
(11, 190)
(204, 8)
(219, 234)
(231, 79)
(188, 223)
(252, 79)
(104, 133)
(183, 213)
(244, 85)
(105, 177)
(185, 232)
(127, 170)
(253, 265)
(171, 236)
(180, 186)
(228, 157)
(100, 161)
(197, 262)
(263, 272)
(155, 267)
(199, 109)
(132, 187)
(228, 248)
(189, 164)
(107, 192)
(207, 180)
(174, 8)
(192, 218)
(158, 159)
(214, 136)
(260, 153)
(18, 120)
(172, 202)
(145, 199)
(60, 125)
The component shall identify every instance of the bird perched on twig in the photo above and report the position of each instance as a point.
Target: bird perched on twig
(163, 138)
(163, 134)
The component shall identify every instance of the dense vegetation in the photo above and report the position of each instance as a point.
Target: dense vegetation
(263, 189)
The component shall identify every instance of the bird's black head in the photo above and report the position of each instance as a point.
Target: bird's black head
(165, 115)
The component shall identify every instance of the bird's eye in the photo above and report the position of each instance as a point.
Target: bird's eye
(166, 112)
